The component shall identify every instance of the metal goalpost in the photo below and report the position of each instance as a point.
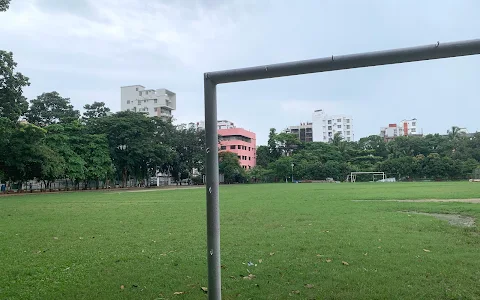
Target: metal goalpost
(333, 63)
(353, 175)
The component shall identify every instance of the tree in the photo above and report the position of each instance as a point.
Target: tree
(455, 132)
(53, 166)
(24, 153)
(287, 143)
(374, 143)
(272, 144)
(51, 108)
(12, 102)
(229, 166)
(63, 139)
(93, 149)
(7, 128)
(282, 167)
(337, 139)
(95, 111)
(138, 144)
(263, 156)
(4, 5)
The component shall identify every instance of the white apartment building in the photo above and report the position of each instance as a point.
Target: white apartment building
(221, 124)
(159, 102)
(404, 128)
(325, 126)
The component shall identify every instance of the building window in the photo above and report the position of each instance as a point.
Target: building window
(414, 130)
(239, 157)
(348, 126)
(139, 102)
(348, 139)
(145, 101)
(347, 120)
(128, 109)
(233, 147)
(128, 101)
(154, 100)
(249, 158)
(339, 120)
(329, 127)
(140, 93)
(136, 89)
(414, 123)
(239, 147)
(348, 132)
(155, 109)
(329, 121)
(339, 126)
(223, 148)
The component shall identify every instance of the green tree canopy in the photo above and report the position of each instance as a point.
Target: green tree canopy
(51, 108)
(12, 102)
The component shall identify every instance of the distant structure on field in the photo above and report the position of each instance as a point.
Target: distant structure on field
(159, 102)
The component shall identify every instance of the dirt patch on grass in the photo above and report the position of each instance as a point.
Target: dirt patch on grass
(455, 220)
(429, 200)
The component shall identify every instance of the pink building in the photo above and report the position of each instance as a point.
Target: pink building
(242, 142)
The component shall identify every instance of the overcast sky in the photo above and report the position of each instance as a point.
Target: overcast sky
(87, 49)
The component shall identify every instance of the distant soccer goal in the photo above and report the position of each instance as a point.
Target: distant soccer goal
(375, 176)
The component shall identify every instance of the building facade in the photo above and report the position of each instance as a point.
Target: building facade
(237, 140)
(221, 124)
(241, 142)
(159, 102)
(404, 128)
(304, 131)
(324, 127)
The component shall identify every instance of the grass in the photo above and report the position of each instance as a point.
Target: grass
(89, 245)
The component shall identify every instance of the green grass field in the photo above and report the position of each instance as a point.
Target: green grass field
(149, 245)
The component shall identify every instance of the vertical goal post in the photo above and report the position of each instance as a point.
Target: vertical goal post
(333, 63)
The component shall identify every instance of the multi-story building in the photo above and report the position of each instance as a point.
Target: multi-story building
(404, 128)
(241, 142)
(325, 126)
(304, 131)
(221, 124)
(237, 140)
(159, 102)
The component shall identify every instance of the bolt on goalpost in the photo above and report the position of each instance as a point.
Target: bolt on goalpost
(333, 63)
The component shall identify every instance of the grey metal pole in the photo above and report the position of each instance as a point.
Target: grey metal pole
(213, 209)
(341, 62)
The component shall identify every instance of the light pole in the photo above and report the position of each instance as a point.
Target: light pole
(292, 170)
(124, 171)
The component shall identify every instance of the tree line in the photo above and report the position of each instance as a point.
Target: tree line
(432, 157)
(48, 139)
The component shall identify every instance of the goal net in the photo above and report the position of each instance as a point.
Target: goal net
(376, 176)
